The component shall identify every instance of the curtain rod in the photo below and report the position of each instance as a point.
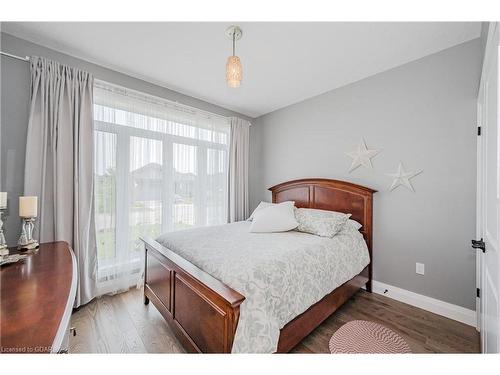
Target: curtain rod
(14, 56)
(104, 85)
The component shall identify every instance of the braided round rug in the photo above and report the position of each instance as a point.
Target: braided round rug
(360, 336)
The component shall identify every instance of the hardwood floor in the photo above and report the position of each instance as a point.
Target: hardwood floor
(123, 324)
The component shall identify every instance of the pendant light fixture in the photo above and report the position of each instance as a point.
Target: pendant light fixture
(234, 71)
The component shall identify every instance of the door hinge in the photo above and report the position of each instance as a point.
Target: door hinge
(479, 245)
(478, 293)
(478, 130)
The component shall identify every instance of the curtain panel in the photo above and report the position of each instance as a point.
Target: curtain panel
(59, 163)
(159, 167)
(238, 170)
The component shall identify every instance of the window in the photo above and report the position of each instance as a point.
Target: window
(158, 167)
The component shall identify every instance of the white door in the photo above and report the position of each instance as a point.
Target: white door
(488, 213)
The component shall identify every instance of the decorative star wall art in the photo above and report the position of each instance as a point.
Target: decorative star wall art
(402, 178)
(361, 156)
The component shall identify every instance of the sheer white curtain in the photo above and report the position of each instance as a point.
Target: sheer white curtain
(159, 167)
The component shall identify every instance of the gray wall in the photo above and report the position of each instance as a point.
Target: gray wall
(15, 83)
(422, 113)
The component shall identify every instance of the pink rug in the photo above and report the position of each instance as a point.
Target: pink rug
(360, 336)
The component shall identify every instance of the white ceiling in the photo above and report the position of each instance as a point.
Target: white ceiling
(283, 63)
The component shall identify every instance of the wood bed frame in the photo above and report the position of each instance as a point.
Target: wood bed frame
(203, 312)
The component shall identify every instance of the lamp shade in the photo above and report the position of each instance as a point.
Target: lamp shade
(234, 72)
(3, 199)
(28, 206)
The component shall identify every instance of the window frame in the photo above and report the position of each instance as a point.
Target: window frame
(122, 197)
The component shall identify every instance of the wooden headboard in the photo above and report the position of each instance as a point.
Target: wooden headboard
(332, 195)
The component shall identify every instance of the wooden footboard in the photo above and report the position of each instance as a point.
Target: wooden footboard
(202, 311)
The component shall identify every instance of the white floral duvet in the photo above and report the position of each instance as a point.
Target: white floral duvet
(280, 274)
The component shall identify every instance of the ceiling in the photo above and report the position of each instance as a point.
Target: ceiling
(283, 63)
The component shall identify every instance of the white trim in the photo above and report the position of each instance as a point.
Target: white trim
(479, 203)
(490, 48)
(436, 306)
(151, 134)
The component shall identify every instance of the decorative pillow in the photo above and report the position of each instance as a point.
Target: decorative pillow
(351, 226)
(354, 224)
(262, 205)
(274, 218)
(320, 222)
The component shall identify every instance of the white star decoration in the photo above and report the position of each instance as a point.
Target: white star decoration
(361, 156)
(402, 178)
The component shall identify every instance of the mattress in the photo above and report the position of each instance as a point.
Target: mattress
(280, 274)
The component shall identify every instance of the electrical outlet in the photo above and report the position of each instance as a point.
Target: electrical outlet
(420, 268)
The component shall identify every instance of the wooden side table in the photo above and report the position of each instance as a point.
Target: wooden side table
(37, 297)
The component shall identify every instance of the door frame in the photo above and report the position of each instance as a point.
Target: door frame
(479, 207)
(492, 46)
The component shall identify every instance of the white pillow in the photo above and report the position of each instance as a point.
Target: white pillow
(320, 222)
(262, 205)
(274, 218)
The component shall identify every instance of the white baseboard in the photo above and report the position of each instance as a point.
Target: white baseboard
(436, 306)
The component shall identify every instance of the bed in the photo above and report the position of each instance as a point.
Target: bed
(187, 278)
